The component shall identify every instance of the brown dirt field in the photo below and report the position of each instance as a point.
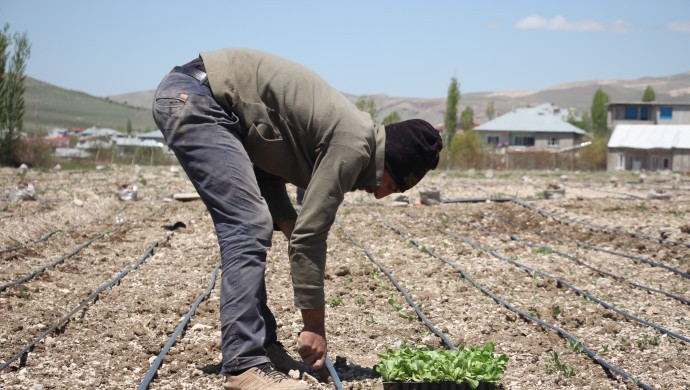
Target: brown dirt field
(80, 236)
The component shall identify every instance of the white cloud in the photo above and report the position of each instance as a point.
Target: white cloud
(495, 24)
(621, 27)
(683, 26)
(558, 23)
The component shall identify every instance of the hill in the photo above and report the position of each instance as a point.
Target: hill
(51, 106)
(47, 106)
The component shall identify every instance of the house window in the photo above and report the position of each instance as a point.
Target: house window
(621, 162)
(666, 113)
(492, 140)
(524, 141)
(631, 113)
(553, 141)
(644, 113)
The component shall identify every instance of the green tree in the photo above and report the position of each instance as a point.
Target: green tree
(450, 118)
(466, 149)
(128, 128)
(490, 110)
(12, 88)
(648, 95)
(367, 104)
(599, 113)
(393, 117)
(467, 119)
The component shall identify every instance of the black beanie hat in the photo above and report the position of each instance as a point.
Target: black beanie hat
(412, 149)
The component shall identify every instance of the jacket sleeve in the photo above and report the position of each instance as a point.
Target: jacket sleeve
(274, 191)
(334, 175)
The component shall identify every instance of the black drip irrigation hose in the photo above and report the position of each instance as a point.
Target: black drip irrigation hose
(36, 241)
(478, 200)
(599, 227)
(50, 234)
(397, 285)
(570, 286)
(636, 258)
(23, 354)
(39, 270)
(561, 332)
(580, 262)
(151, 374)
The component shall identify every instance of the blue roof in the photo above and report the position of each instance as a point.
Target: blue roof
(535, 119)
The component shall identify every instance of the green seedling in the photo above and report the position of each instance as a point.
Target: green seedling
(542, 251)
(604, 349)
(396, 305)
(575, 346)
(335, 302)
(641, 207)
(405, 316)
(555, 311)
(360, 301)
(424, 364)
(556, 365)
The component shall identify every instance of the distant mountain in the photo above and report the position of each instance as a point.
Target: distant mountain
(49, 106)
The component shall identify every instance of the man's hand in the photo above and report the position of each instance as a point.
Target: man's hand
(311, 344)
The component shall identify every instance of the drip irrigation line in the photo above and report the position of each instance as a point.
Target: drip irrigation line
(561, 332)
(581, 244)
(477, 200)
(50, 234)
(23, 354)
(637, 258)
(602, 228)
(612, 276)
(400, 288)
(39, 270)
(570, 286)
(570, 257)
(334, 373)
(151, 374)
(44, 238)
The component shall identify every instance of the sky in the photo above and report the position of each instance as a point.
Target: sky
(363, 47)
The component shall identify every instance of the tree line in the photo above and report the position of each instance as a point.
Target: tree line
(14, 52)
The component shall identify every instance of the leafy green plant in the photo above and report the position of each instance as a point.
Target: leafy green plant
(360, 301)
(641, 207)
(424, 364)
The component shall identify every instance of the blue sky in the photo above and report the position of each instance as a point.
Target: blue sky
(400, 48)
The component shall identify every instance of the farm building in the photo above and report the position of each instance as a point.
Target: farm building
(649, 147)
(535, 128)
(648, 113)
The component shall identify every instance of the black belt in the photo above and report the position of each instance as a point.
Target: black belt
(198, 74)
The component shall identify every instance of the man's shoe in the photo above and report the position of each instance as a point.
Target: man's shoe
(263, 377)
(282, 360)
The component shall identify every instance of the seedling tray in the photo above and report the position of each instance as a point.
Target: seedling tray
(435, 386)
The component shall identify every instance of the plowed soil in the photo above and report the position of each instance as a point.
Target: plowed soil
(93, 287)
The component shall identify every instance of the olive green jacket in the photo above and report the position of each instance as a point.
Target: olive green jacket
(299, 130)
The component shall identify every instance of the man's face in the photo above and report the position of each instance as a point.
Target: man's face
(384, 189)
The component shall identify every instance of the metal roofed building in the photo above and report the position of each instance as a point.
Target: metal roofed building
(649, 147)
(536, 128)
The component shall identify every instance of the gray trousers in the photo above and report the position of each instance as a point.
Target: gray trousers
(207, 141)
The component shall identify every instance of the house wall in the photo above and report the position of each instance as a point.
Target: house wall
(616, 114)
(650, 160)
(541, 140)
